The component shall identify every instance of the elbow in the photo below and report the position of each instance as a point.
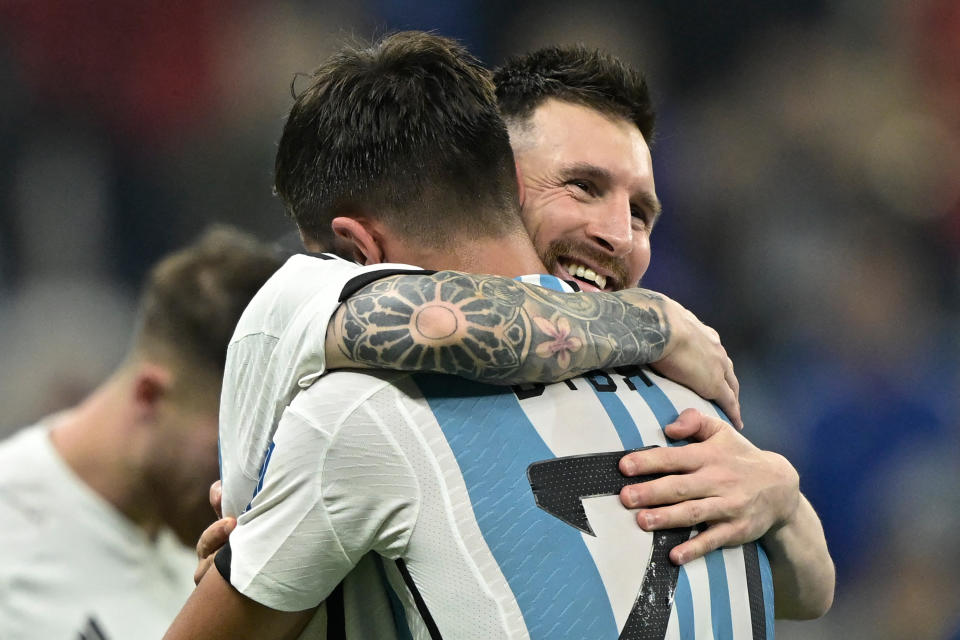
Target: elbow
(813, 604)
(817, 607)
(823, 604)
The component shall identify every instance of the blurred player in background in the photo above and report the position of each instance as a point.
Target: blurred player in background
(309, 527)
(97, 502)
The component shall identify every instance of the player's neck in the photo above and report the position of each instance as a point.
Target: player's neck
(509, 256)
(98, 440)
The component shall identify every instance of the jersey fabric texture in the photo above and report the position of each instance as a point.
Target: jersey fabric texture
(277, 348)
(433, 474)
(71, 565)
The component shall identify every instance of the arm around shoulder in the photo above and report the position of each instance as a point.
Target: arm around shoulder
(500, 331)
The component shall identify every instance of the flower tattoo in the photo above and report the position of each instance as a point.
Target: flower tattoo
(562, 344)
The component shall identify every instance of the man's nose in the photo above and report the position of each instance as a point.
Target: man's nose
(611, 229)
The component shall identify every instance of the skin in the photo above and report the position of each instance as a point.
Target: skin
(587, 189)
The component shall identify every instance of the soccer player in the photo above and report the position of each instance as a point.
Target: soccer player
(364, 463)
(97, 502)
(579, 123)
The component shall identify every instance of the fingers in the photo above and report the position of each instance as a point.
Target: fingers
(216, 498)
(684, 514)
(214, 537)
(693, 424)
(202, 569)
(731, 400)
(714, 537)
(668, 490)
(660, 460)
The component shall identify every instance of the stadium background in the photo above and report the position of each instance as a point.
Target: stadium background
(808, 159)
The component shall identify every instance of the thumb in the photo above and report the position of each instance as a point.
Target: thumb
(692, 424)
(216, 498)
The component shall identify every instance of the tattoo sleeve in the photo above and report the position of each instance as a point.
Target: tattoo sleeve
(497, 330)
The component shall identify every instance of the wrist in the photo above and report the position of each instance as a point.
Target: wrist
(788, 515)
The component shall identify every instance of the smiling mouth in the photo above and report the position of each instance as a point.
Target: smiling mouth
(584, 274)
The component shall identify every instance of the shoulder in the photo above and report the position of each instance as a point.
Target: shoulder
(19, 452)
(337, 396)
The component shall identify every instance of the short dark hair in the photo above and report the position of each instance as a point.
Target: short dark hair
(193, 298)
(406, 130)
(576, 74)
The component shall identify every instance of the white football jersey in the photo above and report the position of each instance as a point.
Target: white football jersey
(277, 348)
(71, 565)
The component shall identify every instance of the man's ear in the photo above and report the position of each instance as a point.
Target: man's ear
(360, 237)
(151, 384)
(521, 188)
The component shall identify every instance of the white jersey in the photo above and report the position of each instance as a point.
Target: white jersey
(489, 509)
(71, 565)
(277, 348)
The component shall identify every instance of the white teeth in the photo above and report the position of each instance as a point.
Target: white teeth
(586, 273)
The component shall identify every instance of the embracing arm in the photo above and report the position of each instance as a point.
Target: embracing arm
(740, 493)
(497, 330)
(215, 610)
(803, 572)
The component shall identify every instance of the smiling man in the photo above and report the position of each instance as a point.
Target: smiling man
(579, 123)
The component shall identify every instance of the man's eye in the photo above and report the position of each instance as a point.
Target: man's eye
(583, 185)
(639, 215)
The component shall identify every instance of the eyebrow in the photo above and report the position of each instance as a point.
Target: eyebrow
(599, 174)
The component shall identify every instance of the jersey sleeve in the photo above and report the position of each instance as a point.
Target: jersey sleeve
(278, 349)
(326, 498)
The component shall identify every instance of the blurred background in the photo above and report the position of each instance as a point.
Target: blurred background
(808, 159)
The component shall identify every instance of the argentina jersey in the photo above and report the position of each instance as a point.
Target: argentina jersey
(576, 562)
(726, 594)
(495, 511)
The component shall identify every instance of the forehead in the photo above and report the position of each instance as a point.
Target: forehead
(560, 135)
(557, 126)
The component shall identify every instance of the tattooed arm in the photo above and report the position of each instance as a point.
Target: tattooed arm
(501, 331)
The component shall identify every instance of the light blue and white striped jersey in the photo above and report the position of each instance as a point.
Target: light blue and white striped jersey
(491, 508)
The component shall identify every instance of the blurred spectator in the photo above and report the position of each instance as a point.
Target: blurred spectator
(101, 503)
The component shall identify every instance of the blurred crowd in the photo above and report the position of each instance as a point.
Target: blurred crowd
(808, 160)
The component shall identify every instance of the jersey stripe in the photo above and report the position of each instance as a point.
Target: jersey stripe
(683, 606)
(263, 472)
(741, 618)
(497, 487)
(545, 281)
(425, 615)
(767, 579)
(626, 426)
(719, 595)
(700, 610)
(396, 606)
(659, 403)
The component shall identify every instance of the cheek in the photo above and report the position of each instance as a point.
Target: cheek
(554, 220)
(198, 453)
(639, 258)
